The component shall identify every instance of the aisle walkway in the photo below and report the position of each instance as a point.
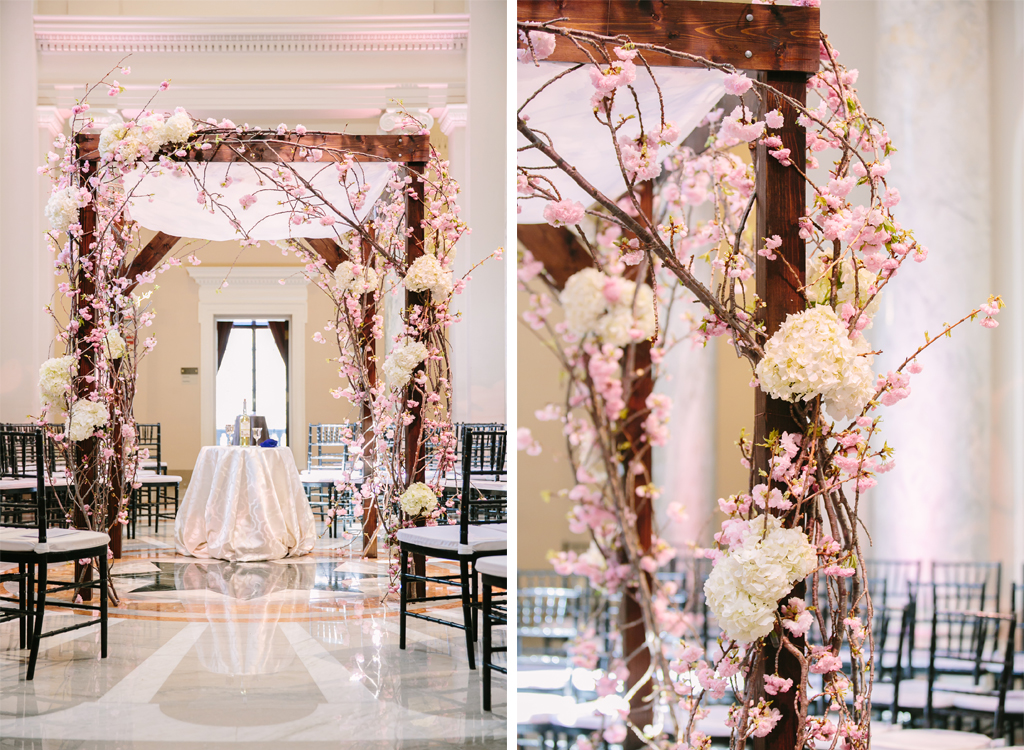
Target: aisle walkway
(210, 654)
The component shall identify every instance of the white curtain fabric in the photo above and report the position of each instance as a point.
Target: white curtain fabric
(167, 201)
(243, 505)
(563, 112)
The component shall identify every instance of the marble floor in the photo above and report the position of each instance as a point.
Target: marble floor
(288, 654)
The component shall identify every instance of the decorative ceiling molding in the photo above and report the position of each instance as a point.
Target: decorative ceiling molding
(75, 34)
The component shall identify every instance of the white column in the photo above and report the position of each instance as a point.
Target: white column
(26, 279)
(453, 125)
(486, 215)
(933, 59)
(1006, 55)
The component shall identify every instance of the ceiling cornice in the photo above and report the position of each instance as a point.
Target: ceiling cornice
(78, 34)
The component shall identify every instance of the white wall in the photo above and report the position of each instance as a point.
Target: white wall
(26, 278)
(955, 108)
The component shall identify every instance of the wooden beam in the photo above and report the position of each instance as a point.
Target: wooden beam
(150, 256)
(778, 38)
(781, 195)
(557, 248)
(327, 249)
(288, 148)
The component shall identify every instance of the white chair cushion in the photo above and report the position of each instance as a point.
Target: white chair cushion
(481, 485)
(329, 476)
(17, 484)
(543, 680)
(496, 566)
(148, 479)
(446, 538)
(987, 703)
(57, 540)
(913, 694)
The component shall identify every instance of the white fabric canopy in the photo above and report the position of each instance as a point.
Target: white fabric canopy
(564, 113)
(167, 202)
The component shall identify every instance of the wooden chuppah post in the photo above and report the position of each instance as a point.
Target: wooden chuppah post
(415, 448)
(634, 635)
(83, 451)
(781, 44)
(780, 205)
(369, 345)
(397, 148)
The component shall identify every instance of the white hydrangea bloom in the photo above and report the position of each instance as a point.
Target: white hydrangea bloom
(812, 355)
(746, 585)
(605, 306)
(62, 208)
(114, 346)
(819, 283)
(178, 127)
(402, 360)
(54, 380)
(85, 417)
(583, 300)
(348, 282)
(418, 500)
(425, 274)
(146, 136)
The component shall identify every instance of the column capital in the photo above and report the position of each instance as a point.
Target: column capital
(51, 119)
(454, 116)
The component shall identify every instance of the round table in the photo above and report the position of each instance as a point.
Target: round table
(244, 505)
(928, 739)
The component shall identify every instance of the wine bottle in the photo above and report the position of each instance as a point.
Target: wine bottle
(244, 433)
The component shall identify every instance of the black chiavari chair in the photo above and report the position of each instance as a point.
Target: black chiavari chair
(34, 545)
(463, 543)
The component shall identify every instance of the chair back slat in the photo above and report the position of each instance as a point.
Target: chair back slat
(483, 456)
(329, 445)
(20, 449)
(986, 577)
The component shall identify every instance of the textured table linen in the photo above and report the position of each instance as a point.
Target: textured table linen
(244, 504)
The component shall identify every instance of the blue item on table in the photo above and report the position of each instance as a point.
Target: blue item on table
(269, 443)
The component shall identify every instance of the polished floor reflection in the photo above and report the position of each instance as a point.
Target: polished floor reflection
(292, 653)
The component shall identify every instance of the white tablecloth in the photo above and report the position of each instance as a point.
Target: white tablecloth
(244, 504)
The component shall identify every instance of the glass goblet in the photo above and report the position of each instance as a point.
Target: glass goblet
(229, 428)
(256, 431)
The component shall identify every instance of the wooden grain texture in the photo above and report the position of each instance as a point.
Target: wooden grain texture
(274, 148)
(557, 248)
(327, 249)
(150, 256)
(779, 38)
(780, 204)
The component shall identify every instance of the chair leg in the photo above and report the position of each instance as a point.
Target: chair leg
(475, 580)
(30, 603)
(22, 604)
(467, 611)
(487, 646)
(103, 605)
(38, 632)
(402, 595)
